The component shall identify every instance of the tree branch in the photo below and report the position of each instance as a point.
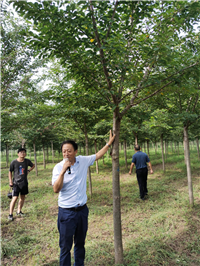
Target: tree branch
(154, 93)
(188, 103)
(109, 28)
(155, 83)
(197, 97)
(102, 57)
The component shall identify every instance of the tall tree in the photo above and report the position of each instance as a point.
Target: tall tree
(17, 66)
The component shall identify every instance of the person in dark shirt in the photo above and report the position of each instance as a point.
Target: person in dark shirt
(20, 181)
(140, 160)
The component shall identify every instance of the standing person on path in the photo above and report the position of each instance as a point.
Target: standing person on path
(69, 180)
(20, 181)
(140, 160)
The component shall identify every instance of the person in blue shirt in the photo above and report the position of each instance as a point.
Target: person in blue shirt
(69, 179)
(140, 160)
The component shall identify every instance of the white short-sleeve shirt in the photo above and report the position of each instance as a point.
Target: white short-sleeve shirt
(73, 192)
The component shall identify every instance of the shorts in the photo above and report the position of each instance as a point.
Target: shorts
(16, 190)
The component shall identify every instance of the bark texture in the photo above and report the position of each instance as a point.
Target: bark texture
(187, 160)
(35, 158)
(116, 194)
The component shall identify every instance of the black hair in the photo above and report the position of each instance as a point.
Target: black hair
(21, 149)
(73, 143)
(137, 147)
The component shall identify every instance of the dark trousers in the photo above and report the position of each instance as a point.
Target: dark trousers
(72, 225)
(142, 181)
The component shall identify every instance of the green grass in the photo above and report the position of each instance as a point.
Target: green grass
(163, 230)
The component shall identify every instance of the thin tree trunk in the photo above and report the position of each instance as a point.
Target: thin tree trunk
(165, 144)
(155, 146)
(197, 142)
(47, 154)
(136, 139)
(84, 150)
(125, 154)
(162, 148)
(148, 147)
(172, 146)
(7, 155)
(167, 148)
(178, 148)
(87, 153)
(35, 157)
(44, 162)
(52, 151)
(97, 166)
(187, 159)
(144, 147)
(116, 193)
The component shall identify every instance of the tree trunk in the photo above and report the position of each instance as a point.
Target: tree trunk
(52, 151)
(125, 155)
(116, 193)
(35, 157)
(184, 150)
(84, 150)
(178, 148)
(97, 166)
(165, 150)
(23, 143)
(136, 138)
(162, 148)
(7, 155)
(87, 153)
(148, 147)
(43, 151)
(155, 146)
(197, 142)
(187, 159)
(47, 154)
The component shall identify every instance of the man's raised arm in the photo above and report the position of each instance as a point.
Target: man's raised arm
(100, 153)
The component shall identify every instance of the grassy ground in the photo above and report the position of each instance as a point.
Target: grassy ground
(162, 230)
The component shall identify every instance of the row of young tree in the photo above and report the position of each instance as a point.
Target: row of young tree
(129, 65)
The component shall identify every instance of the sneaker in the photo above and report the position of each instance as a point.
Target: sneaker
(20, 213)
(10, 217)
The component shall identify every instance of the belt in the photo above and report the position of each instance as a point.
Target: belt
(76, 209)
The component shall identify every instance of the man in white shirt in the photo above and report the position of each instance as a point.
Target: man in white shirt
(69, 180)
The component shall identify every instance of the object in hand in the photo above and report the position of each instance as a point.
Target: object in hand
(66, 159)
(9, 195)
